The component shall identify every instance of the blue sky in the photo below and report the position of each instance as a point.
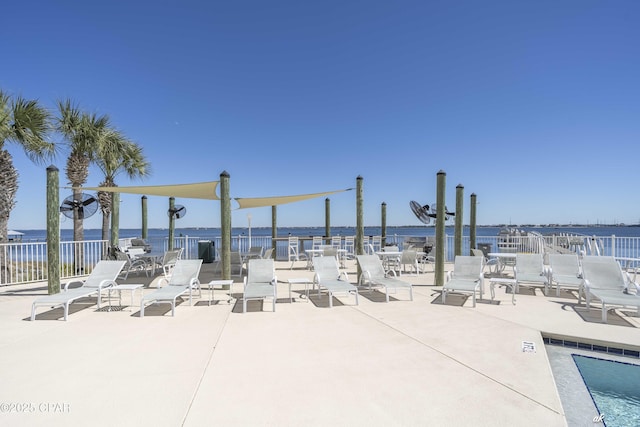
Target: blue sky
(532, 106)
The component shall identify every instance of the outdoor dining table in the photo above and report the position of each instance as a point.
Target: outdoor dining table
(502, 257)
(151, 259)
(390, 256)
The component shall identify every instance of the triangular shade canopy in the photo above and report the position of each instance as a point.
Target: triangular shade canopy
(257, 202)
(200, 190)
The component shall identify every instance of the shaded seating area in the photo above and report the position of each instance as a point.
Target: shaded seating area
(605, 281)
(184, 278)
(102, 277)
(374, 275)
(260, 282)
(467, 277)
(327, 276)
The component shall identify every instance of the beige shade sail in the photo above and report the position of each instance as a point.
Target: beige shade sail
(199, 190)
(258, 202)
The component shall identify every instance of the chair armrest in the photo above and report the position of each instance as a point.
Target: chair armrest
(366, 275)
(66, 285)
(106, 284)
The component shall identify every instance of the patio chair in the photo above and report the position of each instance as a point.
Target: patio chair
(350, 247)
(131, 263)
(487, 262)
(236, 264)
(268, 254)
(530, 269)
(169, 260)
(409, 257)
(254, 252)
(316, 242)
(376, 241)
(292, 251)
(184, 278)
(102, 277)
(336, 242)
(565, 272)
(466, 277)
(604, 280)
(373, 274)
(260, 282)
(327, 276)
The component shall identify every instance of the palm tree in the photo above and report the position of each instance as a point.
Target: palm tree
(116, 154)
(26, 123)
(82, 132)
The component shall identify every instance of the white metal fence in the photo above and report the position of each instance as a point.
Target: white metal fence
(27, 262)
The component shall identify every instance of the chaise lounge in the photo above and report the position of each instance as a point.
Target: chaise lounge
(102, 277)
(184, 277)
(373, 274)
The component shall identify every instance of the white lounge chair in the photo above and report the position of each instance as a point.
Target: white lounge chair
(565, 272)
(466, 277)
(605, 281)
(102, 277)
(184, 278)
(327, 275)
(530, 269)
(373, 274)
(260, 282)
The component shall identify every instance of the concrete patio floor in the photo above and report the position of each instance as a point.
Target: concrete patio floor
(404, 363)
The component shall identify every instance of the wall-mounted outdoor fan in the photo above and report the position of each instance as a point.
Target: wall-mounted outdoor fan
(425, 212)
(422, 212)
(178, 211)
(86, 206)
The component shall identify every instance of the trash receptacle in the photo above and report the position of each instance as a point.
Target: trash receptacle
(205, 251)
(485, 248)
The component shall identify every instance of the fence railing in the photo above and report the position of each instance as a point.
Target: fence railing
(26, 262)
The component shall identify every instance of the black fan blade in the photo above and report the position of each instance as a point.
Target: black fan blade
(80, 212)
(89, 201)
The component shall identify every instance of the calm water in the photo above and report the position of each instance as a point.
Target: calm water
(209, 233)
(614, 388)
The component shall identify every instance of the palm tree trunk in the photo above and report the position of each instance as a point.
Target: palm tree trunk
(8, 189)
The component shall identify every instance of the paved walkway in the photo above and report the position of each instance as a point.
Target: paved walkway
(404, 363)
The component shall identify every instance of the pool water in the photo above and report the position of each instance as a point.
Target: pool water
(614, 387)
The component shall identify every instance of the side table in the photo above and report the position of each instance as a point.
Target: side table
(300, 281)
(128, 287)
(223, 285)
(510, 283)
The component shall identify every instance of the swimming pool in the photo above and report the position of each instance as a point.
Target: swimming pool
(577, 402)
(614, 387)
